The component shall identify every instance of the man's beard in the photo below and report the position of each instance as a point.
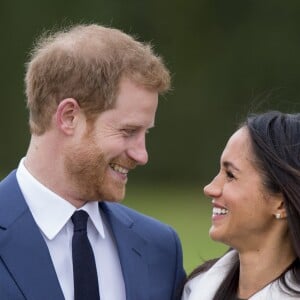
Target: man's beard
(86, 168)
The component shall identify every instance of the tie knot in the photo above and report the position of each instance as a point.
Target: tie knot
(79, 219)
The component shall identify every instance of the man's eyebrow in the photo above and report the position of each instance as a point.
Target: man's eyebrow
(136, 126)
(228, 164)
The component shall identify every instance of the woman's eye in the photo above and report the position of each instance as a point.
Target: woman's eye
(229, 175)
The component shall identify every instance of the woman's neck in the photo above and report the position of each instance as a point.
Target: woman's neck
(261, 267)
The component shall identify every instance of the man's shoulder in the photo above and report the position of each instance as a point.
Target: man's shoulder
(147, 226)
(135, 215)
(9, 182)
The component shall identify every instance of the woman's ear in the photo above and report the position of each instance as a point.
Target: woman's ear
(67, 115)
(280, 211)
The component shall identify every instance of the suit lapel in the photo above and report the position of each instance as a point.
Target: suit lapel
(132, 252)
(22, 247)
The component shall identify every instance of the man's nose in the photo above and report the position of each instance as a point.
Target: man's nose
(138, 151)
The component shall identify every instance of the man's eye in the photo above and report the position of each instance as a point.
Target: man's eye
(129, 132)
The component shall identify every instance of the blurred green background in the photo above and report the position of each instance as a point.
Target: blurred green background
(226, 58)
(186, 210)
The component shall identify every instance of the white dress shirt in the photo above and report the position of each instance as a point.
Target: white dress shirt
(52, 215)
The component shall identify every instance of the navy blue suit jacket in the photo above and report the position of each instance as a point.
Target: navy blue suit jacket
(149, 251)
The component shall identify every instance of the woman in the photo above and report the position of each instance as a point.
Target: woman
(256, 211)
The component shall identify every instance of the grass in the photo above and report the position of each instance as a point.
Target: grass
(186, 210)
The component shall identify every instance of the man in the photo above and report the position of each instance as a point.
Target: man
(92, 94)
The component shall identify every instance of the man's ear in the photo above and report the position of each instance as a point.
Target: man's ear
(67, 115)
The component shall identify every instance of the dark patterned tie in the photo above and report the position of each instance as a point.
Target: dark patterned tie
(84, 267)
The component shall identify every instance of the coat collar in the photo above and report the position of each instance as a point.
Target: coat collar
(22, 247)
(132, 249)
(206, 284)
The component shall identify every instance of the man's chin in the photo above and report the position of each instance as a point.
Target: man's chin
(114, 196)
(111, 199)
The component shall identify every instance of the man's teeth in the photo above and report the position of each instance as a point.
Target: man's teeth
(119, 169)
(219, 211)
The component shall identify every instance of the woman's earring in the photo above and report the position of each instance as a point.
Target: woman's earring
(278, 216)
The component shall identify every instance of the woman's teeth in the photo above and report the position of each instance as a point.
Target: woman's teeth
(219, 211)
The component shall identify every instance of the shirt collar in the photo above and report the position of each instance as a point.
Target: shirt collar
(50, 211)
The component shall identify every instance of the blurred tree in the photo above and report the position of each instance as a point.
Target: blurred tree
(226, 57)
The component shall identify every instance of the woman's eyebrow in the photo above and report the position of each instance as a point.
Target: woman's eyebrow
(228, 164)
